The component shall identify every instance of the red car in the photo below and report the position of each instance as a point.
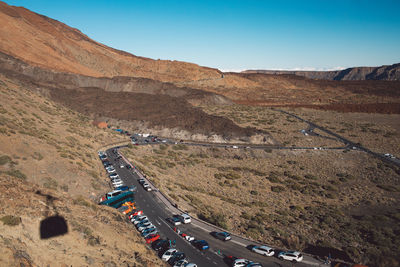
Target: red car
(134, 213)
(152, 238)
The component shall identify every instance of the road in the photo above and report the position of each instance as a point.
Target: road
(157, 208)
(347, 142)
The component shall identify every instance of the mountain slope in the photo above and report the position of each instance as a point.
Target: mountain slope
(45, 42)
(386, 72)
(49, 150)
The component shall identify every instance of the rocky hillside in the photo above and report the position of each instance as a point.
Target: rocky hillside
(48, 43)
(49, 166)
(386, 72)
(52, 51)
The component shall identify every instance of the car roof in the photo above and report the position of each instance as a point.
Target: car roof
(264, 247)
(293, 252)
(184, 215)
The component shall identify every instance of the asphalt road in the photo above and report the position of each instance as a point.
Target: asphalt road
(157, 211)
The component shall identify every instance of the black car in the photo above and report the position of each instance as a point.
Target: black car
(224, 236)
(160, 245)
(176, 257)
(201, 244)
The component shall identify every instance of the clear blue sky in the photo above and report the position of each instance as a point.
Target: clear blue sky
(237, 35)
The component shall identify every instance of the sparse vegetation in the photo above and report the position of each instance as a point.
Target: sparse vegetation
(10, 220)
(16, 173)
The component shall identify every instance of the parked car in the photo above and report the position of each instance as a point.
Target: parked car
(113, 176)
(240, 262)
(254, 264)
(176, 257)
(146, 187)
(201, 244)
(149, 231)
(263, 250)
(151, 238)
(141, 181)
(174, 221)
(293, 256)
(110, 170)
(141, 222)
(185, 218)
(139, 219)
(387, 155)
(225, 236)
(125, 209)
(135, 213)
(168, 254)
(127, 188)
(160, 245)
(181, 263)
(144, 225)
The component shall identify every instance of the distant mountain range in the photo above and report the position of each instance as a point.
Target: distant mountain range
(386, 72)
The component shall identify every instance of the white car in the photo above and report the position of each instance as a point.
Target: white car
(113, 176)
(293, 256)
(240, 263)
(122, 166)
(139, 219)
(145, 225)
(185, 218)
(110, 170)
(168, 254)
(189, 238)
(146, 187)
(389, 156)
(263, 250)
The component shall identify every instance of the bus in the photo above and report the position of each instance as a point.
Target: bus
(118, 200)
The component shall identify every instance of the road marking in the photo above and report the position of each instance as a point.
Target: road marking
(311, 262)
(158, 222)
(237, 242)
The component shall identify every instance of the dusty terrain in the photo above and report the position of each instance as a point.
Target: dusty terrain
(48, 148)
(378, 132)
(295, 199)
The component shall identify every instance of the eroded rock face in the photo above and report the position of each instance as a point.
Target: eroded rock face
(386, 72)
(159, 105)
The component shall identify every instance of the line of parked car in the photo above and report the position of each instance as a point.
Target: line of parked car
(142, 223)
(150, 233)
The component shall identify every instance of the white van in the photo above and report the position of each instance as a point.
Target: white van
(185, 218)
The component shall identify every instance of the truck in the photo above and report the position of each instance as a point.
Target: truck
(118, 200)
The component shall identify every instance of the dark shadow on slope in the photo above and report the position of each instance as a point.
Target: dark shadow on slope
(51, 226)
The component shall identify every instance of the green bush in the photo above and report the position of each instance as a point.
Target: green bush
(50, 183)
(4, 159)
(277, 189)
(17, 174)
(214, 218)
(10, 220)
(310, 177)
